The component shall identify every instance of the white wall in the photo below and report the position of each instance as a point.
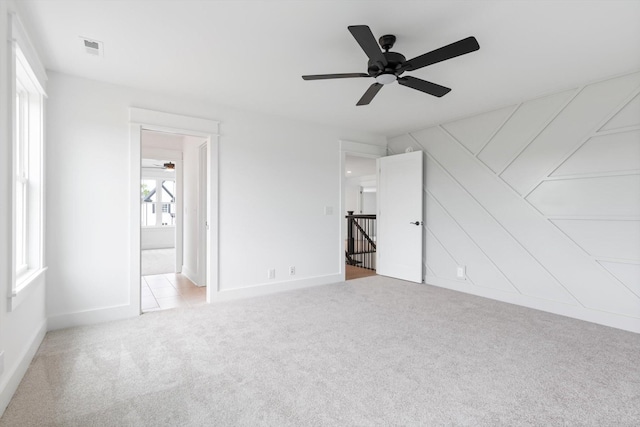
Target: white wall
(352, 195)
(23, 328)
(353, 186)
(157, 238)
(541, 202)
(276, 176)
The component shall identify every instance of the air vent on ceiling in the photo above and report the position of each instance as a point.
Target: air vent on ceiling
(92, 47)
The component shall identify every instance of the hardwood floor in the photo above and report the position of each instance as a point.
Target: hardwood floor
(163, 291)
(353, 272)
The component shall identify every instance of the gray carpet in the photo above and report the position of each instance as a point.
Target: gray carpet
(372, 351)
(157, 261)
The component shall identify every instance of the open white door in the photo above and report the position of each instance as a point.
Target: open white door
(399, 244)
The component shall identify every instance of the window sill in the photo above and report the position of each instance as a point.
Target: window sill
(156, 227)
(24, 286)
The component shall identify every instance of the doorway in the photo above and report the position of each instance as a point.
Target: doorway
(171, 241)
(206, 130)
(359, 195)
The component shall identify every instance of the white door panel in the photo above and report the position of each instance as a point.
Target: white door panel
(399, 245)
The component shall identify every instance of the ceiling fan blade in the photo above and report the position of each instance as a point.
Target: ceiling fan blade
(370, 94)
(368, 43)
(461, 47)
(334, 76)
(424, 86)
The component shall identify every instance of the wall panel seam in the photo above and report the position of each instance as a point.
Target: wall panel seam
(616, 260)
(617, 130)
(592, 175)
(504, 122)
(450, 136)
(472, 240)
(545, 125)
(578, 146)
(447, 251)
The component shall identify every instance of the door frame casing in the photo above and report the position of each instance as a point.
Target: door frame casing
(203, 189)
(355, 149)
(142, 119)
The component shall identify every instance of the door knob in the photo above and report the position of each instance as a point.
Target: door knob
(416, 223)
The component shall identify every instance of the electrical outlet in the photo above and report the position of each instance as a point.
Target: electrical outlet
(328, 210)
(271, 273)
(292, 271)
(461, 272)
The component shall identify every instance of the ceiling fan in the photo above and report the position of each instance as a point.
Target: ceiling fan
(166, 166)
(387, 67)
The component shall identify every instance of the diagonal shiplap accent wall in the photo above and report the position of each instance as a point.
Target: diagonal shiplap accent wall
(540, 201)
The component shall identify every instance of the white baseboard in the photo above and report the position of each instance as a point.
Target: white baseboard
(13, 377)
(574, 311)
(90, 317)
(192, 275)
(271, 288)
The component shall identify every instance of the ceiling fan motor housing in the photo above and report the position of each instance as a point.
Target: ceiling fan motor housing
(394, 61)
(387, 41)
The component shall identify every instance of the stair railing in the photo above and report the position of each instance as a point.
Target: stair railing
(361, 240)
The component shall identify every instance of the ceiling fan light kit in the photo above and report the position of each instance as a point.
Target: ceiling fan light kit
(387, 67)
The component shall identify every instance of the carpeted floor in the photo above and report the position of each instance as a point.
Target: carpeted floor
(372, 351)
(157, 261)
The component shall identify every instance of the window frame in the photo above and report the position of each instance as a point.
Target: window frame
(21, 179)
(27, 96)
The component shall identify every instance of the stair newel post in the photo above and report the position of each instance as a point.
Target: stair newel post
(350, 239)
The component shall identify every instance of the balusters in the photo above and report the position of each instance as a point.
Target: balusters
(361, 234)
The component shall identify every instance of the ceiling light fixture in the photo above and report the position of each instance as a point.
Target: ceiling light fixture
(385, 79)
(169, 167)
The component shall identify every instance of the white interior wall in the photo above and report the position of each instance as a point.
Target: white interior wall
(541, 202)
(23, 328)
(158, 238)
(351, 195)
(276, 177)
(353, 187)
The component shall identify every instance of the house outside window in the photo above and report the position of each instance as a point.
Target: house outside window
(158, 202)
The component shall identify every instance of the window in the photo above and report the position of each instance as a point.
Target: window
(28, 150)
(158, 200)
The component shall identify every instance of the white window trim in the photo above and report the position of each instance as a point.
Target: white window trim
(23, 52)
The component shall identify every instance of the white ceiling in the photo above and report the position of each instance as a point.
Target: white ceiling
(251, 54)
